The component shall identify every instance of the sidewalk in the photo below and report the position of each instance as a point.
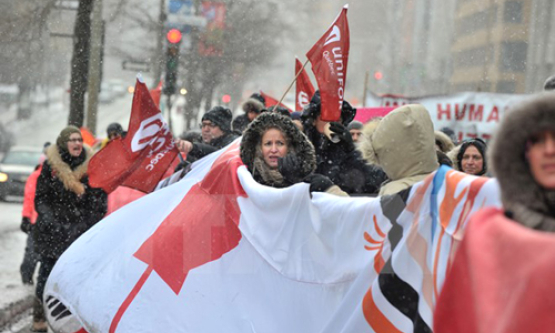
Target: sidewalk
(16, 298)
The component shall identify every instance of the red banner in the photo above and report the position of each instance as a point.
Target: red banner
(270, 101)
(141, 159)
(329, 57)
(304, 88)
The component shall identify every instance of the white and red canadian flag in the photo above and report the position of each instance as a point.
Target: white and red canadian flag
(140, 159)
(329, 57)
(219, 252)
(304, 88)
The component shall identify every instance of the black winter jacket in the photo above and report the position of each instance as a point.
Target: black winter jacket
(202, 149)
(63, 215)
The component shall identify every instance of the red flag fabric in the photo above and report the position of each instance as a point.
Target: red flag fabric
(501, 279)
(329, 57)
(156, 94)
(88, 137)
(304, 88)
(270, 101)
(141, 159)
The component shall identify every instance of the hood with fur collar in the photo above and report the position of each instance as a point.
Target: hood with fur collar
(70, 178)
(297, 144)
(531, 204)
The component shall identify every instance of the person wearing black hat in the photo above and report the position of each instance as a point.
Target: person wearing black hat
(215, 131)
(355, 128)
(252, 107)
(336, 155)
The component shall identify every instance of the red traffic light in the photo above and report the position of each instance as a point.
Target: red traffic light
(378, 75)
(226, 99)
(174, 36)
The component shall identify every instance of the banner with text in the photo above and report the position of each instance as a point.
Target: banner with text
(469, 114)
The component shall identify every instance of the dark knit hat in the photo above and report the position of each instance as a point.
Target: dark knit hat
(480, 145)
(63, 138)
(281, 110)
(549, 84)
(355, 124)
(219, 116)
(259, 98)
(312, 110)
(114, 128)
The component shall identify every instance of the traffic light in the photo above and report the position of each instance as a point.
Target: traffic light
(172, 62)
(378, 75)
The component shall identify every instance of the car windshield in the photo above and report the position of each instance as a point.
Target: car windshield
(30, 158)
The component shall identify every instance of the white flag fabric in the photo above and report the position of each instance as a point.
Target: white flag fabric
(217, 251)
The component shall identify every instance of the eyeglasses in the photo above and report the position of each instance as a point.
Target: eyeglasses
(75, 140)
(203, 125)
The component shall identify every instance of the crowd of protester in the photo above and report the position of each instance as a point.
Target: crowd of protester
(348, 158)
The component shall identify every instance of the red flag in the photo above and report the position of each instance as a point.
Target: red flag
(156, 93)
(329, 57)
(270, 101)
(304, 89)
(141, 159)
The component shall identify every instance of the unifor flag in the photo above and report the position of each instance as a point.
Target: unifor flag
(304, 88)
(140, 159)
(271, 101)
(329, 57)
(218, 252)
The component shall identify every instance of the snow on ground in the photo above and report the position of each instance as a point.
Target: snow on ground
(12, 247)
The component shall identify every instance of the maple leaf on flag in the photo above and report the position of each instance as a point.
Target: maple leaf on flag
(140, 159)
(304, 88)
(329, 57)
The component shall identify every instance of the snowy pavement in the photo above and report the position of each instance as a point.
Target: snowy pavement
(12, 245)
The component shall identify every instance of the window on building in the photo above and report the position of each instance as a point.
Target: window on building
(512, 12)
(513, 56)
(474, 57)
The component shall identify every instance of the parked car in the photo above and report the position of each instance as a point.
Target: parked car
(15, 167)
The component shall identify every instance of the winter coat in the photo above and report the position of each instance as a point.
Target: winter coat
(66, 205)
(202, 149)
(404, 145)
(240, 123)
(524, 200)
(298, 144)
(346, 169)
(365, 145)
(29, 196)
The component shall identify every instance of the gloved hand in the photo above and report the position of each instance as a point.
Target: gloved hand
(345, 136)
(26, 225)
(290, 168)
(318, 183)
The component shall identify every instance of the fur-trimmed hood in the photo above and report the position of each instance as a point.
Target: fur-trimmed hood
(365, 145)
(519, 190)
(252, 104)
(297, 143)
(444, 142)
(70, 178)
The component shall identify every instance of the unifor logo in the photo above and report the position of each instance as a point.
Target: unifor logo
(147, 134)
(334, 36)
(303, 99)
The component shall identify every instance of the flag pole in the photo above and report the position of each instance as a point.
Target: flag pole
(294, 80)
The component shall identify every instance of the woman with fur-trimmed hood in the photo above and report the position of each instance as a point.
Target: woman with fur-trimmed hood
(278, 154)
(252, 108)
(66, 205)
(505, 258)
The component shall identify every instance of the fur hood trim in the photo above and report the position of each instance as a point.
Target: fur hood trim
(297, 142)
(452, 154)
(365, 146)
(508, 153)
(445, 142)
(253, 104)
(70, 178)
